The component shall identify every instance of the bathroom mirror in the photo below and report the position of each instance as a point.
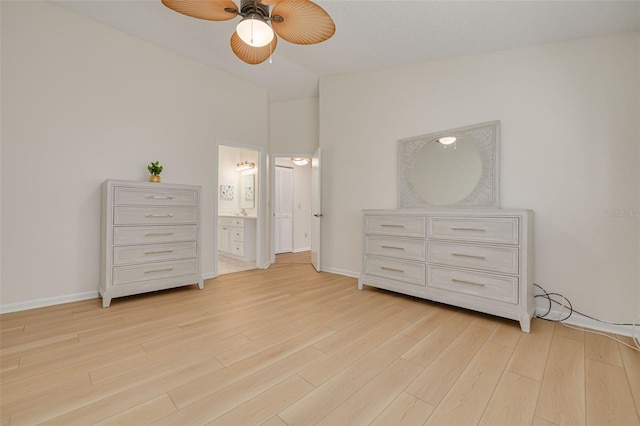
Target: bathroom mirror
(436, 172)
(247, 191)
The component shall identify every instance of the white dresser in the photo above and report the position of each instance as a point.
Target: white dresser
(150, 237)
(476, 259)
(237, 237)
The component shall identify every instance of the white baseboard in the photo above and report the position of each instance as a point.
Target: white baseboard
(48, 301)
(208, 275)
(580, 321)
(340, 272)
(298, 250)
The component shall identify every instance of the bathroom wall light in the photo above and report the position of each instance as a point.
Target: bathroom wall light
(247, 165)
(300, 161)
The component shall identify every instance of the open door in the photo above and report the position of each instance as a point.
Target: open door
(316, 209)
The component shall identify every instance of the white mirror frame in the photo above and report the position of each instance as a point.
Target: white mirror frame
(486, 194)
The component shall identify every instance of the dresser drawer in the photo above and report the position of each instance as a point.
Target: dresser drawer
(154, 215)
(238, 234)
(406, 248)
(492, 230)
(494, 287)
(151, 253)
(410, 272)
(495, 259)
(154, 234)
(392, 225)
(153, 271)
(154, 197)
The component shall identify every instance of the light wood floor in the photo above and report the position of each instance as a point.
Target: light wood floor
(289, 346)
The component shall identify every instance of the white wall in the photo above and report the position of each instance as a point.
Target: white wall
(81, 103)
(294, 127)
(570, 152)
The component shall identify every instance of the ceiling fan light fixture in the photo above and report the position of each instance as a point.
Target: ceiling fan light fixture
(254, 30)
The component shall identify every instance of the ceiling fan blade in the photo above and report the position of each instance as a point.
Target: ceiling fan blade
(304, 22)
(212, 10)
(249, 54)
(269, 2)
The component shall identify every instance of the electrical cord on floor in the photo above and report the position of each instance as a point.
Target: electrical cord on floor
(562, 317)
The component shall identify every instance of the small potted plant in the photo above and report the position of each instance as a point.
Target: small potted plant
(155, 169)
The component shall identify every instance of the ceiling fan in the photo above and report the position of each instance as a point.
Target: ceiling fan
(296, 21)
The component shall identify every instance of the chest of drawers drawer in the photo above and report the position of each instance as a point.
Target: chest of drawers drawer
(409, 272)
(151, 253)
(404, 248)
(488, 230)
(503, 259)
(123, 235)
(123, 275)
(477, 284)
(154, 215)
(154, 197)
(396, 226)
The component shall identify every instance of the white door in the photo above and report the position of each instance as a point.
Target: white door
(283, 210)
(316, 209)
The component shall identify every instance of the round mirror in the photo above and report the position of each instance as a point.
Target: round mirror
(435, 171)
(446, 174)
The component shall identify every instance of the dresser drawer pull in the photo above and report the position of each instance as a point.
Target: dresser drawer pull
(392, 247)
(158, 270)
(466, 282)
(457, 228)
(391, 269)
(159, 197)
(392, 226)
(157, 234)
(468, 255)
(158, 252)
(158, 215)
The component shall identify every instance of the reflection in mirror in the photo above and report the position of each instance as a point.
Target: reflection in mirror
(463, 173)
(247, 191)
(436, 172)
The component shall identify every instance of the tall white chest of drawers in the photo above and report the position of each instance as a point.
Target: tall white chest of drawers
(150, 237)
(480, 260)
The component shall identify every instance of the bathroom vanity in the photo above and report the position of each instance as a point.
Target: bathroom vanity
(237, 237)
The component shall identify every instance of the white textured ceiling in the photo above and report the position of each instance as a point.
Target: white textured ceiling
(370, 34)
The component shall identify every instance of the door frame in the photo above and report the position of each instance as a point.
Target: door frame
(272, 198)
(261, 258)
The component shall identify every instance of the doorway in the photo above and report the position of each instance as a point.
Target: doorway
(240, 209)
(291, 237)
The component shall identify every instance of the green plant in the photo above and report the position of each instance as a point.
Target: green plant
(155, 168)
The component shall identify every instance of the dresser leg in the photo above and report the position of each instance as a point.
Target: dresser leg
(201, 284)
(360, 285)
(525, 324)
(106, 301)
